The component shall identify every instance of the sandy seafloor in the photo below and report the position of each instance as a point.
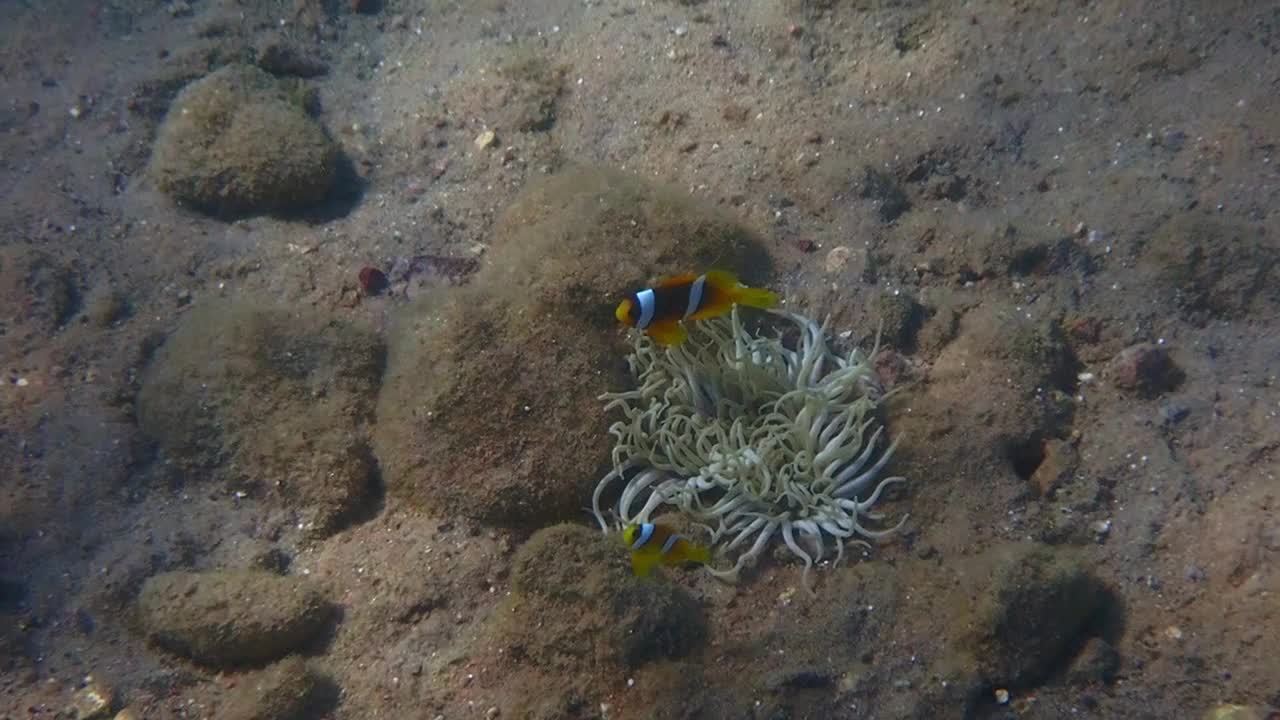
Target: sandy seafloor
(1104, 172)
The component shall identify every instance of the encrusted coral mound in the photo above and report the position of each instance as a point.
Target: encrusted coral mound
(752, 438)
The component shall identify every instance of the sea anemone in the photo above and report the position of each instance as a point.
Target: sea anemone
(751, 439)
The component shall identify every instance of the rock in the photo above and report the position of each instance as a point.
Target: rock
(901, 317)
(230, 618)
(39, 294)
(1034, 609)
(372, 281)
(603, 613)
(1061, 458)
(994, 396)
(1173, 412)
(883, 188)
(486, 139)
(278, 57)
(287, 690)
(836, 260)
(105, 306)
(498, 381)
(1097, 662)
(1146, 369)
(239, 142)
(1231, 711)
(92, 702)
(1211, 266)
(521, 94)
(272, 402)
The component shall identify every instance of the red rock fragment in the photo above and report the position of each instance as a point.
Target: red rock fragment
(1146, 369)
(1085, 329)
(373, 281)
(891, 367)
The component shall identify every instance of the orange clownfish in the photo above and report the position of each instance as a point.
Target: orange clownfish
(660, 311)
(652, 544)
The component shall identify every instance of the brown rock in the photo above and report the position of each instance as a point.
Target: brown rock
(489, 409)
(1058, 466)
(271, 402)
(238, 141)
(1146, 369)
(603, 612)
(229, 618)
(287, 690)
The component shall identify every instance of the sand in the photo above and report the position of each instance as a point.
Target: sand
(1064, 214)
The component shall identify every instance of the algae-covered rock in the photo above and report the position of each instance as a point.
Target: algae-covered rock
(1037, 605)
(994, 395)
(490, 405)
(287, 690)
(228, 618)
(38, 293)
(1209, 265)
(240, 141)
(271, 401)
(576, 603)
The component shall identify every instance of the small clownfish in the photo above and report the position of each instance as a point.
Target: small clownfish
(660, 311)
(653, 544)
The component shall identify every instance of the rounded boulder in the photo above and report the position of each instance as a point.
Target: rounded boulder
(490, 408)
(238, 142)
(230, 618)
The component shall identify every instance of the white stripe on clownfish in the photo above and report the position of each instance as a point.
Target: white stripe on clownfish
(695, 295)
(646, 533)
(647, 306)
(670, 543)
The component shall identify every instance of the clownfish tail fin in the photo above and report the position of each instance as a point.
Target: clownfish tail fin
(728, 283)
(700, 554)
(756, 298)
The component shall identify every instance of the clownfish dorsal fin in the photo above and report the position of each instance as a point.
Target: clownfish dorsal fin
(676, 281)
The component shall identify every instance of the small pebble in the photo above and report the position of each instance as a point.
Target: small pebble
(1002, 696)
(373, 281)
(837, 259)
(1172, 413)
(1146, 368)
(486, 139)
(681, 30)
(93, 701)
(1101, 529)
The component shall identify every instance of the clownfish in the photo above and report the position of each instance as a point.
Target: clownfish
(652, 544)
(660, 311)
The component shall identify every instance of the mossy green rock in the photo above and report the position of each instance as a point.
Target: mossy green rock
(1038, 604)
(239, 142)
(577, 603)
(287, 690)
(490, 408)
(230, 618)
(270, 400)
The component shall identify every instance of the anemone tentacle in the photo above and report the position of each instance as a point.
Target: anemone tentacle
(752, 439)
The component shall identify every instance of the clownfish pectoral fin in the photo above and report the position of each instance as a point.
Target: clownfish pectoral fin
(641, 564)
(667, 332)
